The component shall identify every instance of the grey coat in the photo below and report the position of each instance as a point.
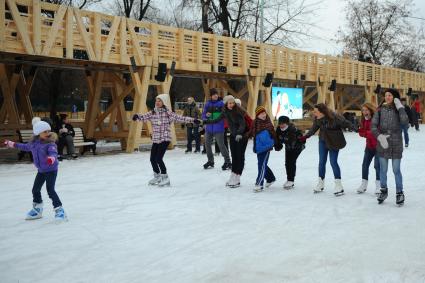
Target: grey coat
(388, 121)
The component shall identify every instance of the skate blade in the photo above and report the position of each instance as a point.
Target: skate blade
(257, 191)
(338, 194)
(166, 185)
(288, 188)
(234, 186)
(317, 192)
(360, 192)
(33, 218)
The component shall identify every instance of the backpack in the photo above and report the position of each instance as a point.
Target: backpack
(248, 123)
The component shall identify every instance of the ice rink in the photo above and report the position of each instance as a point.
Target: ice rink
(121, 230)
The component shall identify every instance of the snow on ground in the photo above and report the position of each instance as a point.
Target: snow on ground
(121, 230)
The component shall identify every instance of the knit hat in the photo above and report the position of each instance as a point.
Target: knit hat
(394, 92)
(228, 98)
(40, 127)
(238, 101)
(35, 120)
(164, 98)
(259, 110)
(283, 120)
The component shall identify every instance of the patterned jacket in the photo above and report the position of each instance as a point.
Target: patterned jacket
(387, 120)
(161, 120)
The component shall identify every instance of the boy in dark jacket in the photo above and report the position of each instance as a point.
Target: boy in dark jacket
(289, 135)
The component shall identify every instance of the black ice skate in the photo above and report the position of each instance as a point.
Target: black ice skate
(209, 165)
(400, 198)
(383, 195)
(226, 166)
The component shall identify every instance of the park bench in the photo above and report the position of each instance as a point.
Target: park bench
(79, 141)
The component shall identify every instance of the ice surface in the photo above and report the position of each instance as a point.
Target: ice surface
(121, 230)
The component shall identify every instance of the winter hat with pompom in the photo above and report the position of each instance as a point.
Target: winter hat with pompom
(259, 110)
(238, 101)
(40, 127)
(228, 98)
(35, 120)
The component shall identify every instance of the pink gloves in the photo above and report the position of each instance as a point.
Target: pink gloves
(9, 144)
(50, 160)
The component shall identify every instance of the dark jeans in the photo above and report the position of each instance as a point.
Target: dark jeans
(406, 133)
(50, 179)
(264, 172)
(67, 141)
(323, 158)
(237, 149)
(416, 117)
(157, 154)
(370, 154)
(193, 134)
(291, 157)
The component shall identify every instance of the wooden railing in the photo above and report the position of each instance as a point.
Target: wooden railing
(32, 27)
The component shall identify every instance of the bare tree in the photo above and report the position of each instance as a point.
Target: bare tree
(136, 9)
(376, 29)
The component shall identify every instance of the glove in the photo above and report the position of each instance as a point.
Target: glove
(383, 140)
(238, 138)
(278, 147)
(197, 122)
(50, 160)
(9, 144)
(398, 103)
(303, 139)
(135, 117)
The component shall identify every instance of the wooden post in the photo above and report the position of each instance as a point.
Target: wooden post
(253, 84)
(140, 80)
(24, 90)
(93, 107)
(9, 109)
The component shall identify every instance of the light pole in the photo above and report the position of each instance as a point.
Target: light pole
(261, 21)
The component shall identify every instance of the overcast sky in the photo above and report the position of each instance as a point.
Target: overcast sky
(331, 16)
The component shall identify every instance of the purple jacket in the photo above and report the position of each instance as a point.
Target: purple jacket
(215, 108)
(40, 151)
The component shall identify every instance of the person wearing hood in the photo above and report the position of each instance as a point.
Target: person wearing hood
(45, 158)
(265, 139)
(235, 117)
(289, 136)
(66, 135)
(387, 126)
(161, 118)
(191, 110)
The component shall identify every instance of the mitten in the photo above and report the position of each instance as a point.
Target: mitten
(398, 103)
(383, 140)
(50, 160)
(136, 117)
(238, 138)
(9, 144)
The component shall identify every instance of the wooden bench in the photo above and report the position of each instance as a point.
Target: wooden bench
(79, 141)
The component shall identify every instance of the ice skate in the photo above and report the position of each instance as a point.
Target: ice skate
(156, 179)
(235, 182)
(258, 189)
(400, 198)
(226, 166)
(268, 185)
(320, 186)
(339, 190)
(383, 195)
(288, 185)
(36, 212)
(165, 181)
(377, 187)
(363, 187)
(230, 181)
(60, 214)
(209, 165)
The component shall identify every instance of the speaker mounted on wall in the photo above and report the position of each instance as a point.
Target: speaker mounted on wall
(162, 72)
(332, 87)
(268, 80)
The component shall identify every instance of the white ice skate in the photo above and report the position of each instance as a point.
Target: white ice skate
(165, 181)
(378, 187)
(320, 186)
(339, 190)
(156, 179)
(258, 189)
(268, 185)
(363, 187)
(288, 185)
(230, 181)
(236, 182)
(36, 212)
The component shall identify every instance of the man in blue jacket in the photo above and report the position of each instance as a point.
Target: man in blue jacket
(212, 110)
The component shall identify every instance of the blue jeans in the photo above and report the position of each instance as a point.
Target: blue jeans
(383, 162)
(369, 154)
(323, 158)
(50, 179)
(406, 133)
(264, 172)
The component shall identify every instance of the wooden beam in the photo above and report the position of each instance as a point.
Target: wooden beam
(22, 28)
(84, 35)
(253, 84)
(8, 87)
(69, 44)
(97, 33)
(123, 42)
(110, 39)
(93, 109)
(2, 26)
(140, 59)
(24, 90)
(57, 23)
(267, 92)
(140, 80)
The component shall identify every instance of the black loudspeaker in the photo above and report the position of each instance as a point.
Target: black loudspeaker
(332, 87)
(268, 80)
(302, 77)
(378, 89)
(162, 72)
(409, 91)
(173, 68)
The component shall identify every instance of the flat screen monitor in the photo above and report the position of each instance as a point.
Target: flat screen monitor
(287, 102)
